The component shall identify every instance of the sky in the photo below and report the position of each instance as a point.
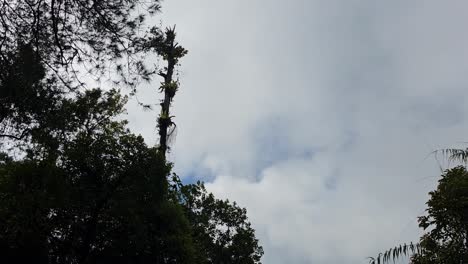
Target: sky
(318, 116)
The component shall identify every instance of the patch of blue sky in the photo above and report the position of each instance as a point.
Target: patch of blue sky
(190, 178)
(197, 173)
(272, 144)
(332, 181)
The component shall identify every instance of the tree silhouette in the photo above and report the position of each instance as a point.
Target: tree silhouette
(166, 46)
(86, 33)
(76, 185)
(446, 222)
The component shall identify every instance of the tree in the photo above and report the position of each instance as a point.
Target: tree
(79, 209)
(76, 185)
(89, 189)
(221, 231)
(166, 46)
(57, 42)
(446, 222)
(456, 154)
(64, 33)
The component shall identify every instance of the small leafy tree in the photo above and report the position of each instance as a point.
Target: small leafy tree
(221, 230)
(446, 222)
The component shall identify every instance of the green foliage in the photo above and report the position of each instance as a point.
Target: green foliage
(456, 154)
(23, 93)
(68, 33)
(103, 192)
(171, 88)
(446, 222)
(165, 45)
(447, 217)
(76, 186)
(396, 253)
(89, 189)
(27, 190)
(221, 230)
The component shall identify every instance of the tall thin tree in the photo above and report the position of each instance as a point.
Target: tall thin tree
(171, 52)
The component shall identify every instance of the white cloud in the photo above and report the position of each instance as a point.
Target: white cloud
(318, 115)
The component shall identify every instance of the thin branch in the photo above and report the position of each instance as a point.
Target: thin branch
(23, 134)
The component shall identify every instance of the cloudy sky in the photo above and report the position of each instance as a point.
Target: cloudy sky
(318, 116)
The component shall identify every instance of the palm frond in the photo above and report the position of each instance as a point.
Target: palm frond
(460, 155)
(395, 253)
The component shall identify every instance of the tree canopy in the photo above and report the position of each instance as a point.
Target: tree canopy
(76, 185)
(446, 225)
(68, 33)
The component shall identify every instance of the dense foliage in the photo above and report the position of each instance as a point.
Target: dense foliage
(446, 223)
(220, 228)
(88, 189)
(76, 186)
(75, 41)
(99, 192)
(68, 33)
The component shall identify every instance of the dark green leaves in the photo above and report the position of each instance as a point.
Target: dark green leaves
(446, 223)
(76, 186)
(89, 188)
(221, 230)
